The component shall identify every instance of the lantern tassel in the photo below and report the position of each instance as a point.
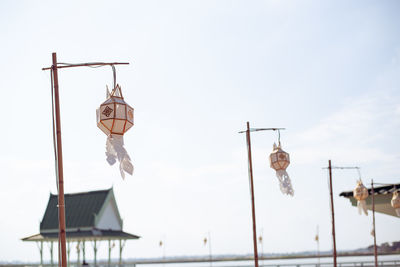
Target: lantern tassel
(362, 207)
(115, 150)
(397, 212)
(284, 182)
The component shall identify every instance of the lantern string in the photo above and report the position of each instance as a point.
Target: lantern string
(100, 64)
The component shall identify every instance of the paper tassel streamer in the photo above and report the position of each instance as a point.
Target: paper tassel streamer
(115, 150)
(115, 118)
(279, 161)
(361, 194)
(396, 202)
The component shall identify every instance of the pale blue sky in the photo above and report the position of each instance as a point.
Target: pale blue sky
(328, 71)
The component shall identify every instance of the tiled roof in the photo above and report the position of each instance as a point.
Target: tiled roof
(379, 190)
(80, 210)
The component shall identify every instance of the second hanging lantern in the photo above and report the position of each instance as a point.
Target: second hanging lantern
(361, 194)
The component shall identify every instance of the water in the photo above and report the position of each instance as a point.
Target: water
(385, 260)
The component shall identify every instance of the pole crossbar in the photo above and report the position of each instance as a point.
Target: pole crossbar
(99, 64)
(341, 168)
(262, 129)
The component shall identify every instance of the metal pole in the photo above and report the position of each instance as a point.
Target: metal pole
(252, 195)
(373, 222)
(333, 214)
(61, 206)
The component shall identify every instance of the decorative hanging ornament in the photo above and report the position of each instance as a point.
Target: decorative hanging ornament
(279, 161)
(115, 118)
(396, 202)
(361, 194)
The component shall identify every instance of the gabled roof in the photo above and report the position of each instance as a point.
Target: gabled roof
(80, 210)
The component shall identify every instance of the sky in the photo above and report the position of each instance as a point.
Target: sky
(327, 71)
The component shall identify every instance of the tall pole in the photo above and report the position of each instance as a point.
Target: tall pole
(373, 223)
(333, 214)
(61, 205)
(252, 195)
(209, 247)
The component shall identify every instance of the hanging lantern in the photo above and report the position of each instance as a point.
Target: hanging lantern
(396, 202)
(361, 194)
(279, 161)
(115, 118)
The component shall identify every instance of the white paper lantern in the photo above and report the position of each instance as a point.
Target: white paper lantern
(279, 161)
(396, 202)
(361, 194)
(115, 118)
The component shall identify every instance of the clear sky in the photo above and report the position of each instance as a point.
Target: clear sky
(327, 71)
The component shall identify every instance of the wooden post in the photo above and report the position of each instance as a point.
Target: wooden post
(84, 251)
(40, 246)
(78, 251)
(95, 252)
(109, 253)
(209, 248)
(68, 252)
(252, 195)
(373, 223)
(51, 254)
(333, 215)
(60, 173)
(121, 247)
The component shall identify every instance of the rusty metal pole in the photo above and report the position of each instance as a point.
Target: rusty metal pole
(252, 195)
(333, 215)
(61, 206)
(373, 222)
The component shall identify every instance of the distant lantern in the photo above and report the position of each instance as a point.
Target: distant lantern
(361, 194)
(279, 161)
(115, 118)
(396, 202)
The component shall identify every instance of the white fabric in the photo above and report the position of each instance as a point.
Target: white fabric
(284, 182)
(362, 207)
(115, 150)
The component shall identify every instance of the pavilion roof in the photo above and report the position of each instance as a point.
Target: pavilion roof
(80, 211)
